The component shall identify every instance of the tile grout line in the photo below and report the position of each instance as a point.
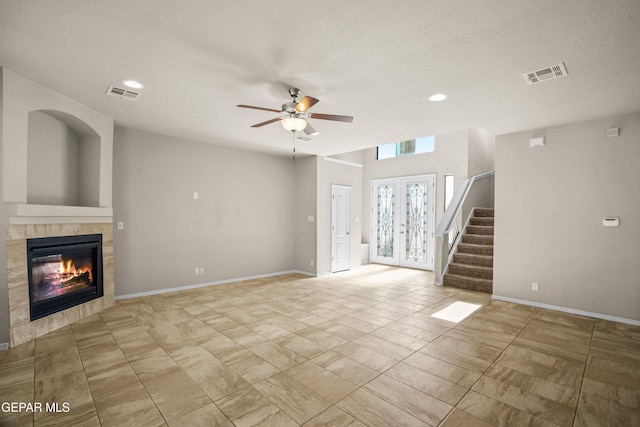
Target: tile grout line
(129, 362)
(195, 383)
(165, 352)
(93, 400)
(584, 371)
(402, 360)
(380, 373)
(329, 349)
(491, 365)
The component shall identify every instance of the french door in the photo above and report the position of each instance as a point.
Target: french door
(403, 221)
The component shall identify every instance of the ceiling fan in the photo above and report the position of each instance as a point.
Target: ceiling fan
(294, 114)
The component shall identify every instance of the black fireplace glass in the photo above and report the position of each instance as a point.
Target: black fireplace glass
(63, 272)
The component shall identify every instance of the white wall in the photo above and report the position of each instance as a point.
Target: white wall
(306, 233)
(450, 157)
(63, 164)
(481, 151)
(240, 226)
(53, 166)
(89, 171)
(550, 203)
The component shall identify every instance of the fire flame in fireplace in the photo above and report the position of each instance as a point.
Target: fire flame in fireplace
(68, 271)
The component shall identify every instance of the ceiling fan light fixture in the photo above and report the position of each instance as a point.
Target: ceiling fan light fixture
(294, 124)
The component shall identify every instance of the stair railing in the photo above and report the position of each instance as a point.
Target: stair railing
(448, 232)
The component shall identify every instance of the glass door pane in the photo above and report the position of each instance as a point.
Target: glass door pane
(385, 221)
(416, 220)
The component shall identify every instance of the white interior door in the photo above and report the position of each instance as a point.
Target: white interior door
(340, 228)
(403, 221)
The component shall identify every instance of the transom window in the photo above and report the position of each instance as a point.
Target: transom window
(403, 148)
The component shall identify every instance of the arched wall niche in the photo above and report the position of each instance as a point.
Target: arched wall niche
(63, 160)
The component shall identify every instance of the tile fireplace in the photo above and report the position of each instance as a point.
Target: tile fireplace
(63, 272)
(57, 274)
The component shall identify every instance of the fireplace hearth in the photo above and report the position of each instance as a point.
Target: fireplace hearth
(63, 272)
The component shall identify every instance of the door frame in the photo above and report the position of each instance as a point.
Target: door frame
(399, 184)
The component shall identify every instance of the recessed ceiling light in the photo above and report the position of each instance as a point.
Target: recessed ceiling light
(133, 84)
(438, 97)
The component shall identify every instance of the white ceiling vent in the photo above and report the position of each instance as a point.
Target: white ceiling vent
(545, 74)
(123, 93)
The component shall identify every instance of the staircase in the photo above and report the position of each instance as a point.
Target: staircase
(472, 266)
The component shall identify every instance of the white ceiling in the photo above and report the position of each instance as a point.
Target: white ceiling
(376, 60)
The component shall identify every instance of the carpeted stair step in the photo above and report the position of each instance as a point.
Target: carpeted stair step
(481, 220)
(483, 212)
(471, 283)
(477, 239)
(470, 248)
(485, 230)
(474, 271)
(472, 266)
(473, 259)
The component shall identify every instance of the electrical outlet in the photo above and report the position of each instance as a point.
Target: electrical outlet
(312, 263)
(534, 286)
(201, 270)
(197, 271)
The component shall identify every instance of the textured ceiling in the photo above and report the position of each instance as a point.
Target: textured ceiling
(375, 60)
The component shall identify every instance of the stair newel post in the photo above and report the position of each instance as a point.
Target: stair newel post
(442, 253)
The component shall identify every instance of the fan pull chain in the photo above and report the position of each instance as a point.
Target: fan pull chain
(293, 133)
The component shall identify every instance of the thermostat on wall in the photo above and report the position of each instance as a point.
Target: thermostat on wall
(611, 222)
(536, 142)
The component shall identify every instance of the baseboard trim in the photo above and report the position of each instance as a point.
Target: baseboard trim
(4, 346)
(305, 273)
(568, 310)
(204, 285)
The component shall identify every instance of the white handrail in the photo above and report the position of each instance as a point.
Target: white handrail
(459, 196)
(448, 232)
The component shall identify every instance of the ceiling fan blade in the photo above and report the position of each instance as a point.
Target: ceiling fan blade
(346, 119)
(309, 130)
(277, 119)
(306, 103)
(258, 108)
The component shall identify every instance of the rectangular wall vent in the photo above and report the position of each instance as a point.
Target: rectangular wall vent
(123, 93)
(549, 73)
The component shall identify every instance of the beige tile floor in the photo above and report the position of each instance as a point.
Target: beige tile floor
(351, 349)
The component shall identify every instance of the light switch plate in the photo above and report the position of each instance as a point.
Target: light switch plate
(613, 132)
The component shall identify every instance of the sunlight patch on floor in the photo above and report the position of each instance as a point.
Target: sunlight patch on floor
(456, 312)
